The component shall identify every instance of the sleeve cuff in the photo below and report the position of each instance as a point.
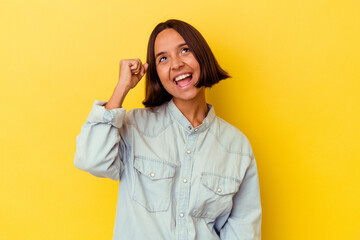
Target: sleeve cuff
(99, 114)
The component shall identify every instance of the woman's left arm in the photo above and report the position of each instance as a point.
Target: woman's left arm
(244, 222)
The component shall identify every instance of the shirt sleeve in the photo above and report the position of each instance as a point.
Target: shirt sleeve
(100, 146)
(244, 222)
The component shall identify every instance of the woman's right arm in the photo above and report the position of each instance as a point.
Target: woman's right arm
(101, 143)
(130, 73)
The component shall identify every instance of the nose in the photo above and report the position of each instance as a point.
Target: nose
(176, 63)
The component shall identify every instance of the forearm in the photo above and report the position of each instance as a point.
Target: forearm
(244, 222)
(99, 147)
(117, 97)
(130, 73)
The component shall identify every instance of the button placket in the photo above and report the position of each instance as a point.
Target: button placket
(185, 184)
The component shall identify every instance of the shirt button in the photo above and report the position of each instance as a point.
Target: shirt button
(152, 174)
(181, 214)
(185, 180)
(188, 151)
(196, 129)
(219, 190)
(189, 127)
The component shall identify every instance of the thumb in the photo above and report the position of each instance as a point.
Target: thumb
(146, 65)
(143, 70)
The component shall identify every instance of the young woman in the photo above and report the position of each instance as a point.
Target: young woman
(184, 173)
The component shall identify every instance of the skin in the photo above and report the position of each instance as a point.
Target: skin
(173, 58)
(130, 73)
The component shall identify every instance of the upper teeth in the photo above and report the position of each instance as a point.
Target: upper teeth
(181, 77)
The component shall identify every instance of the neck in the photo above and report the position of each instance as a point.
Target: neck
(195, 110)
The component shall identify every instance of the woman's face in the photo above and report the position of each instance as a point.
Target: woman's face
(176, 65)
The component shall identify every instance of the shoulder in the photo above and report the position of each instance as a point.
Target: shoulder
(230, 137)
(149, 121)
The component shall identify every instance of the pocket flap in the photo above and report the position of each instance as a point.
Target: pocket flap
(154, 169)
(219, 184)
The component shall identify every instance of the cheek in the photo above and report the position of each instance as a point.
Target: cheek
(159, 72)
(162, 75)
(194, 64)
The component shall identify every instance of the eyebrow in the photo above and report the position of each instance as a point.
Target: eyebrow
(160, 53)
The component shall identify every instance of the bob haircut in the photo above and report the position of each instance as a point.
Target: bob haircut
(210, 71)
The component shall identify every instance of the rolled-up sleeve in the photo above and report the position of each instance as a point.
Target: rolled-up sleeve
(100, 146)
(244, 222)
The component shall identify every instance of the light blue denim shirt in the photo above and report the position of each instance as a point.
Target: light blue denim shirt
(176, 181)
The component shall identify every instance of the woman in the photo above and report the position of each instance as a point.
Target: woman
(184, 173)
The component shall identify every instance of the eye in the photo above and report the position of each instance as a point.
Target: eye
(162, 59)
(185, 50)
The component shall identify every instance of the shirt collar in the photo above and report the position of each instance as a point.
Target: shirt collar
(184, 122)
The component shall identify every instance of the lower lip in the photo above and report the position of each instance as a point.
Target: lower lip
(185, 86)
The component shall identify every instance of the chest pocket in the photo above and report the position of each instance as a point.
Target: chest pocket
(153, 183)
(215, 195)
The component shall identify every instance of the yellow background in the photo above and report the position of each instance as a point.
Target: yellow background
(294, 93)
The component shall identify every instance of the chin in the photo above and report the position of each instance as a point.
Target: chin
(188, 96)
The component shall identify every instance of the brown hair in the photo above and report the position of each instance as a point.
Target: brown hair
(210, 71)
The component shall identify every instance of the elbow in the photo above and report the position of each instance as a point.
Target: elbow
(81, 164)
(85, 163)
(96, 168)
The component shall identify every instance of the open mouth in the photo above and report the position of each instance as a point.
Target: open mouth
(183, 80)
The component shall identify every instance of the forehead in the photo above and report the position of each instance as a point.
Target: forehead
(167, 40)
